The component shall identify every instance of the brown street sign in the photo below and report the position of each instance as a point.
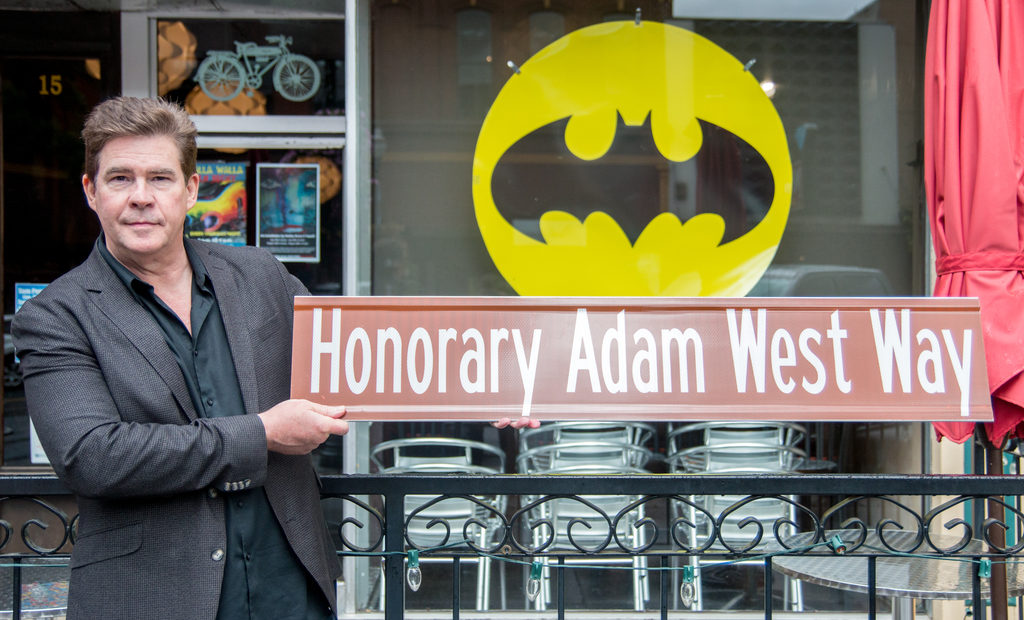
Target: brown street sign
(480, 358)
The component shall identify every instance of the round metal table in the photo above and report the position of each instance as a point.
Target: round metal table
(899, 576)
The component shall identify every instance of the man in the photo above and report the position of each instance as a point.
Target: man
(157, 377)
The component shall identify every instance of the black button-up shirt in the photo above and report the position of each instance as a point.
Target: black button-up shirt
(263, 579)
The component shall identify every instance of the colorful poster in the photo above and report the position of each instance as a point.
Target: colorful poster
(288, 211)
(220, 211)
(22, 293)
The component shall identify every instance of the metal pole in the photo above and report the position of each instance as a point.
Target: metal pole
(1000, 599)
(16, 586)
(560, 572)
(457, 586)
(872, 598)
(394, 561)
(663, 576)
(977, 602)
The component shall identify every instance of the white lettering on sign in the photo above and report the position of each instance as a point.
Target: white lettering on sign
(438, 361)
(816, 386)
(837, 334)
(474, 356)
(893, 349)
(615, 337)
(420, 381)
(582, 357)
(892, 346)
(420, 358)
(330, 348)
(753, 353)
(681, 339)
(527, 369)
(747, 347)
(444, 336)
(360, 337)
(961, 367)
(616, 369)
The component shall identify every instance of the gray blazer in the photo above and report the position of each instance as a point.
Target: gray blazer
(112, 411)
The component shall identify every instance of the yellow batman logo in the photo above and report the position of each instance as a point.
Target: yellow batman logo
(636, 71)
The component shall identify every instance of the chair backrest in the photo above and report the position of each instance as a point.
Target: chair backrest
(585, 448)
(441, 455)
(737, 448)
(437, 455)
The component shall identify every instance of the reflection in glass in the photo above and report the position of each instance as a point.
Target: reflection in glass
(252, 67)
(545, 27)
(473, 57)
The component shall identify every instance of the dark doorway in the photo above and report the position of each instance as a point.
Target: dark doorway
(54, 67)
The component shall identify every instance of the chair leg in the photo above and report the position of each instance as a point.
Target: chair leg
(698, 588)
(795, 591)
(483, 583)
(380, 594)
(637, 587)
(503, 586)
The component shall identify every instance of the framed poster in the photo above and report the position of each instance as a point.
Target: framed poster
(288, 211)
(219, 214)
(22, 293)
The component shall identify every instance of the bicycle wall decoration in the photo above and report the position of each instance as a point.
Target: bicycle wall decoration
(223, 74)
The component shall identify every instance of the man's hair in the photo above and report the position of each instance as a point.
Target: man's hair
(123, 117)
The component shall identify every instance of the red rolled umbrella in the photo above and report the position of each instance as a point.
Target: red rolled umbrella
(974, 163)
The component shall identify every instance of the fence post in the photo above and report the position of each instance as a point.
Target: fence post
(394, 560)
(16, 586)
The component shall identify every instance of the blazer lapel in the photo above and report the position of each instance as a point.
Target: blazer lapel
(235, 319)
(113, 299)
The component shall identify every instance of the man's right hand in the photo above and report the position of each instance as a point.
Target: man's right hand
(299, 426)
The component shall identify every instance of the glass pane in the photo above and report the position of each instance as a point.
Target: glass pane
(252, 67)
(231, 206)
(844, 97)
(50, 229)
(545, 27)
(844, 89)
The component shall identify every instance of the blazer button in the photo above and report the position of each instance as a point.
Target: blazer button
(212, 493)
(217, 555)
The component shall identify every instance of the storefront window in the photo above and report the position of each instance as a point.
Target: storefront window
(288, 201)
(844, 89)
(53, 69)
(251, 67)
(268, 98)
(545, 27)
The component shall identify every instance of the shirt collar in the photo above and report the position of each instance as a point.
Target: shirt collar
(200, 276)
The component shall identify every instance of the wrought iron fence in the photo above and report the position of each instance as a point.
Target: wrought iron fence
(664, 529)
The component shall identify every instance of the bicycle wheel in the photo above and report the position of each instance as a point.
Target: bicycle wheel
(296, 77)
(220, 77)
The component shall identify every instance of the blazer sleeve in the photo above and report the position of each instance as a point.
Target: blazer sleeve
(110, 425)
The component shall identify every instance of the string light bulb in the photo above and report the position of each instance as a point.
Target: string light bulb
(533, 586)
(687, 590)
(985, 568)
(413, 574)
(837, 545)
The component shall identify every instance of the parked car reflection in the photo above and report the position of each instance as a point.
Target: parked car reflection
(800, 280)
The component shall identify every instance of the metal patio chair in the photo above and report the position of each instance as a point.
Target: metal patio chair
(596, 522)
(433, 522)
(724, 522)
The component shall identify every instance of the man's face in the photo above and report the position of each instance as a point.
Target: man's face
(141, 197)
